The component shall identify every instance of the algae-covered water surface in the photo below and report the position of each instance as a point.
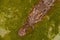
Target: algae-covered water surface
(13, 14)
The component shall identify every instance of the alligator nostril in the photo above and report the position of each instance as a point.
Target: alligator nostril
(22, 32)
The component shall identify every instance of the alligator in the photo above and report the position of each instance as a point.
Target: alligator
(36, 15)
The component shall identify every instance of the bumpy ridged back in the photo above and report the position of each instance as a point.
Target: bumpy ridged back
(36, 15)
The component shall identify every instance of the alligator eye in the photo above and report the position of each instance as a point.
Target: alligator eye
(48, 4)
(44, 10)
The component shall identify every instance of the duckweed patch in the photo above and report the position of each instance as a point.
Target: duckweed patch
(13, 14)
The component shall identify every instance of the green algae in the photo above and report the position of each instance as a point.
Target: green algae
(13, 14)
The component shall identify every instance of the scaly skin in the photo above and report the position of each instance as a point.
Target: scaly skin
(36, 15)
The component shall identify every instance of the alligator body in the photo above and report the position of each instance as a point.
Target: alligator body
(36, 15)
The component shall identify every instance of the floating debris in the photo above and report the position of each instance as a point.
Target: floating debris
(3, 32)
(36, 15)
